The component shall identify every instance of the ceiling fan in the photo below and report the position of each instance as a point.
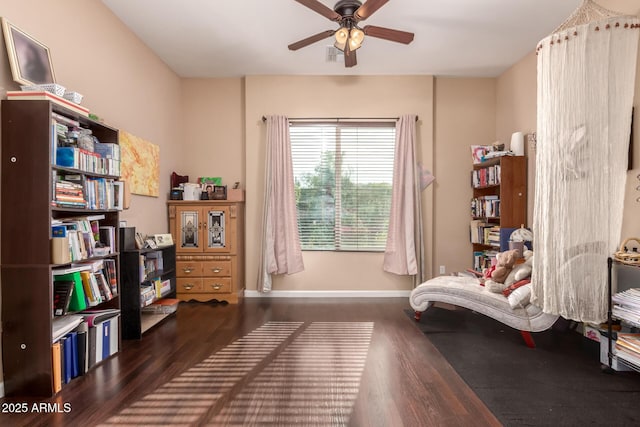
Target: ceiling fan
(349, 37)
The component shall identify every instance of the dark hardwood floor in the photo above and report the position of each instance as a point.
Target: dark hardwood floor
(357, 362)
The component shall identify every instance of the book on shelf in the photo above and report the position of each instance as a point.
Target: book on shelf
(65, 347)
(94, 317)
(77, 301)
(64, 324)
(108, 236)
(162, 306)
(102, 335)
(56, 361)
(628, 356)
(65, 121)
(110, 275)
(494, 154)
(91, 288)
(48, 96)
(62, 290)
(629, 341)
(83, 347)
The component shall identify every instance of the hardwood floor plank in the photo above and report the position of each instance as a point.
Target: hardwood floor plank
(307, 361)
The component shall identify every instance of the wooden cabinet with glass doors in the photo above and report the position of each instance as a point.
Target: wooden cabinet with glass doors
(209, 238)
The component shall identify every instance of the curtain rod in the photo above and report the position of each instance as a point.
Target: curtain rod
(338, 119)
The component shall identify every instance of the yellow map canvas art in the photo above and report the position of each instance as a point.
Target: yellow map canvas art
(140, 165)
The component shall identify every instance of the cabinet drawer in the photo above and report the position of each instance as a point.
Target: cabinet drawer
(216, 285)
(189, 285)
(188, 269)
(216, 268)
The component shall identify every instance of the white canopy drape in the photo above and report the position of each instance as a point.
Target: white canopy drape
(586, 77)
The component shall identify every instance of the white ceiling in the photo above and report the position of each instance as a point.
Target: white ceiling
(222, 38)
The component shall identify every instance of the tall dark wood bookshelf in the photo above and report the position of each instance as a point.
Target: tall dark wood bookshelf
(26, 259)
(509, 187)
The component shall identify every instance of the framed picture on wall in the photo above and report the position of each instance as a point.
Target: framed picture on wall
(30, 60)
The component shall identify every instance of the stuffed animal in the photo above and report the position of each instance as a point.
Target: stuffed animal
(504, 264)
(522, 271)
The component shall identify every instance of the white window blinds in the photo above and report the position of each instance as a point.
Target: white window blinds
(343, 174)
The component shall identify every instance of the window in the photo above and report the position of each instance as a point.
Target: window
(343, 175)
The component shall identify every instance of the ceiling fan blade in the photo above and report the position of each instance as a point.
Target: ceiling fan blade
(310, 40)
(368, 8)
(388, 34)
(320, 8)
(350, 59)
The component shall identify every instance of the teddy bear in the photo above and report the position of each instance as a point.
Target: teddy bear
(518, 273)
(498, 274)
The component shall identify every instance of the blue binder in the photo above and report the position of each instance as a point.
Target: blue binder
(73, 338)
(106, 338)
(66, 343)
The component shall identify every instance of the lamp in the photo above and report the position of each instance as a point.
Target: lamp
(342, 35)
(356, 37)
(351, 34)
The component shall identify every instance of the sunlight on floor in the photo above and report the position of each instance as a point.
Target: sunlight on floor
(281, 373)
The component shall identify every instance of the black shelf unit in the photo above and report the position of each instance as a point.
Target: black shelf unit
(134, 321)
(611, 334)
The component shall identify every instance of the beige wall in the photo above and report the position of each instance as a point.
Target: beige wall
(121, 80)
(464, 116)
(212, 141)
(336, 96)
(516, 111)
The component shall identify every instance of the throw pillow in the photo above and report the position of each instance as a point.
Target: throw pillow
(520, 297)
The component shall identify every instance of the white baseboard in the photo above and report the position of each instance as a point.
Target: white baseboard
(327, 294)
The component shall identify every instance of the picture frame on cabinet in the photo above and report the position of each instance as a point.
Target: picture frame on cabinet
(219, 193)
(163, 240)
(29, 59)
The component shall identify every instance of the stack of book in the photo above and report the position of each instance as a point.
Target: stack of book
(627, 306)
(81, 341)
(69, 194)
(147, 294)
(485, 177)
(83, 285)
(484, 233)
(83, 236)
(485, 207)
(48, 96)
(628, 347)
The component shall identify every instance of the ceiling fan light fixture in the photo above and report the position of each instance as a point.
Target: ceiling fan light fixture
(356, 37)
(342, 35)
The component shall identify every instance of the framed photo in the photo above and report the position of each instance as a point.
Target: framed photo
(163, 239)
(29, 59)
(206, 188)
(150, 243)
(478, 152)
(219, 193)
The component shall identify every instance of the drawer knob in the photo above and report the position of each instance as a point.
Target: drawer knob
(187, 270)
(188, 286)
(216, 286)
(216, 269)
